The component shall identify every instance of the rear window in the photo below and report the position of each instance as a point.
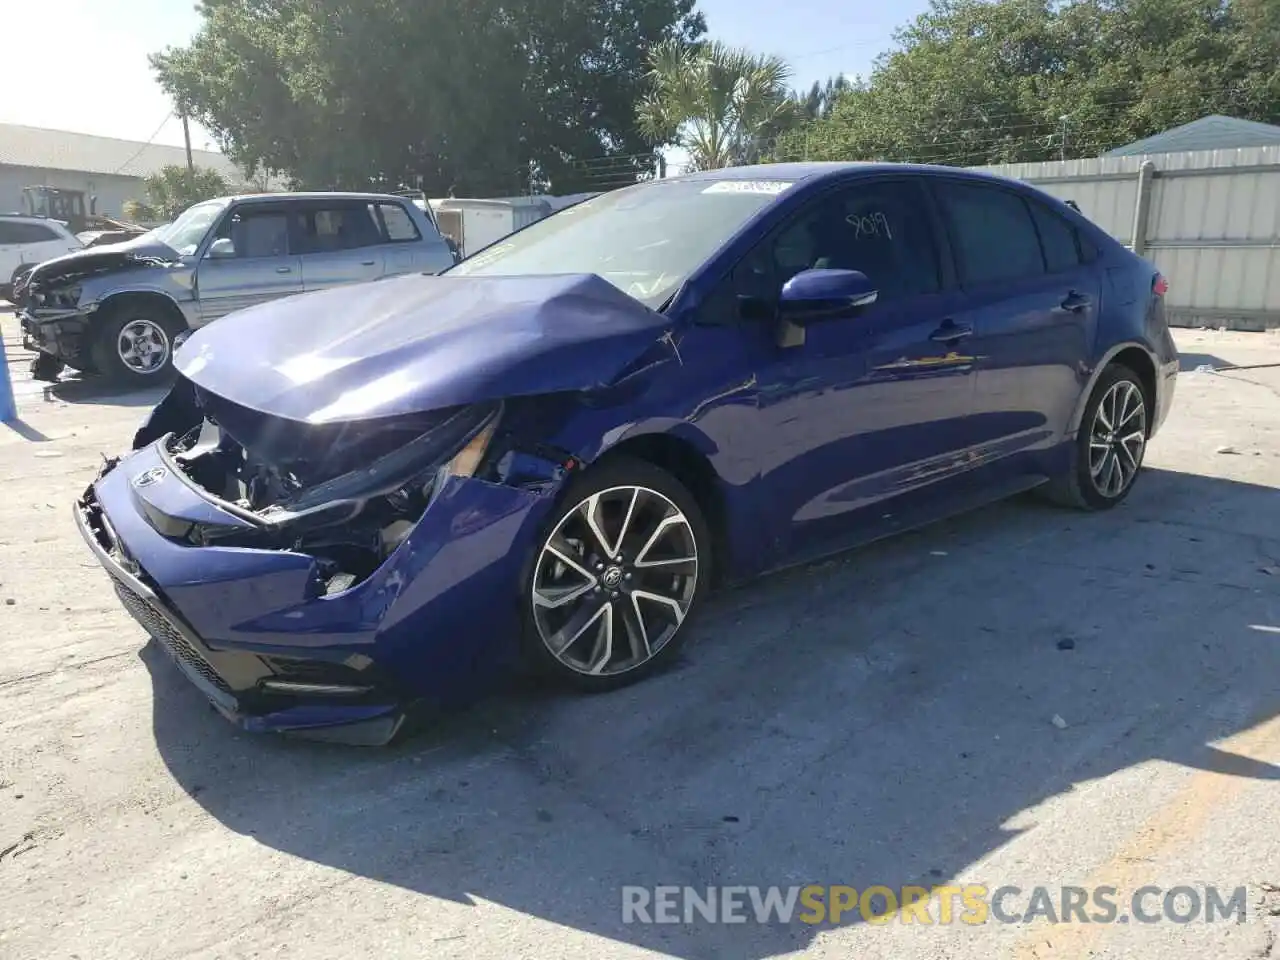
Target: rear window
(327, 228)
(400, 226)
(993, 234)
(1057, 237)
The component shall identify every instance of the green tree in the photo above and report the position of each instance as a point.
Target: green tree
(135, 211)
(976, 82)
(478, 96)
(722, 105)
(817, 102)
(174, 188)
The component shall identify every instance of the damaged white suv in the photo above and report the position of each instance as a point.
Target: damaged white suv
(120, 310)
(28, 241)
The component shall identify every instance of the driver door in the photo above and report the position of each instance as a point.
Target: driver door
(248, 261)
(870, 407)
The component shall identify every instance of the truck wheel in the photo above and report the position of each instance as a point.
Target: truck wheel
(134, 344)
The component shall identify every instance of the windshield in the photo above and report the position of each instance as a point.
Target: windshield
(645, 239)
(185, 233)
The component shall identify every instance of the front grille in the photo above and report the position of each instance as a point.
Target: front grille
(160, 625)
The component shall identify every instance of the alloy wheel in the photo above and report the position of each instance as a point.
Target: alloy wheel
(615, 580)
(1118, 438)
(143, 346)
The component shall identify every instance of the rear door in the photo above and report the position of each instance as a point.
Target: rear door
(340, 242)
(252, 265)
(1032, 304)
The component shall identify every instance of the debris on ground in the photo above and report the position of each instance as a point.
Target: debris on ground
(1066, 643)
(1059, 722)
(1227, 450)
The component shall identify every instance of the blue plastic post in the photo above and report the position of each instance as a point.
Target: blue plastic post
(8, 406)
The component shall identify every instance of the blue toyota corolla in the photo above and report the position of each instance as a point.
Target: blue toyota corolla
(362, 500)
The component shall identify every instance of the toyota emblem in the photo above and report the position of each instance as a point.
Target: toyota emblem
(150, 477)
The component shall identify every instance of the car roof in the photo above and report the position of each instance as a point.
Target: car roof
(314, 195)
(27, 216)
(815, 171)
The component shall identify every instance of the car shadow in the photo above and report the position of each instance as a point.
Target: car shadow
(81, 388)
(1188, 362)
(877, 719)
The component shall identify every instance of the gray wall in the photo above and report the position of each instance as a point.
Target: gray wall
(1210, 223)
(111, 191)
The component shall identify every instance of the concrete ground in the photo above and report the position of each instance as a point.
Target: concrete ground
(882, 719)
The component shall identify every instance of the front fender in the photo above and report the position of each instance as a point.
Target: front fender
(174, 286)
(672, 427)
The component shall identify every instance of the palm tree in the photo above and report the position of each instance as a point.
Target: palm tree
(718, 103)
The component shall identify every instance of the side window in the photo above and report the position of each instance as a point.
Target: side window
(256, 233)
(1057, 238)
(992, 233)
(15, 231)
(400, 227)
(881, 228)
(339, 226)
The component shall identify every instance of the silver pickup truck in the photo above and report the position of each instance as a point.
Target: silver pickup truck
(120, 310)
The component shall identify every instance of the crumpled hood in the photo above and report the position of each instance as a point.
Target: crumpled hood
(415, 343)
(103, 259)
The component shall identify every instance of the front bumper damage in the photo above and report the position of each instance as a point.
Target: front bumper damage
(272, 653)
(62, 334)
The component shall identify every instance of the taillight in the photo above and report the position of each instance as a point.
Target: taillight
(1159, 286)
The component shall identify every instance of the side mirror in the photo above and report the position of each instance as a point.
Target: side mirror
(221, 249)
(813, 295)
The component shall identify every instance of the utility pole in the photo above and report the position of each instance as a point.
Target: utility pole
(1062, 147)
(186, 136)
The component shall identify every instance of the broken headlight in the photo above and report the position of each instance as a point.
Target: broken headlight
(393, 490)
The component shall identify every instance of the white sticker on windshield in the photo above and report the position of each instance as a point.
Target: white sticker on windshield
(772, 187)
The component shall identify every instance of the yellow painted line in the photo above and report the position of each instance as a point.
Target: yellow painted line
(1181, 819)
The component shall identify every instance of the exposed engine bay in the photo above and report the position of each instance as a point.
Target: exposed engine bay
(56, 285)
(345, 493)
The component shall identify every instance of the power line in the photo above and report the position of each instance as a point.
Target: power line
(167, 117)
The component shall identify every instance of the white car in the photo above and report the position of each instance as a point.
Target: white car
(27, 241)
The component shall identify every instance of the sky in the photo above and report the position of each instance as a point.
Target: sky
(84, 67)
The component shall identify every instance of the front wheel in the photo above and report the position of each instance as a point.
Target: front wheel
(1110, 444)
(616, 576)
(134, 345)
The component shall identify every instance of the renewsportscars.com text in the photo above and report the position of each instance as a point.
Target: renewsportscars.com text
(970, 904)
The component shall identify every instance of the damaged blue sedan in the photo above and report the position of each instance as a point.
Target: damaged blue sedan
(358, 502)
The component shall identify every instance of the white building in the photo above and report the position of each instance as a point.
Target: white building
(103, 167)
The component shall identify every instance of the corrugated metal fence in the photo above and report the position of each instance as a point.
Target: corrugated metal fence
(1210, 220)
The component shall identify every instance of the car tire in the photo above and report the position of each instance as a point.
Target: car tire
(152, 331)
(605, 605)
(6, 290)
(1102, 447)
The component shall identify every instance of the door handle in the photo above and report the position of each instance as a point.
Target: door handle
(284, 269)
(367, 263)
(950, 332)
(1075, 301)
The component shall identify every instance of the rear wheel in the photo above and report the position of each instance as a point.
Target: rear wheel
(1110, 444)
(134, 344)
(616, 577)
